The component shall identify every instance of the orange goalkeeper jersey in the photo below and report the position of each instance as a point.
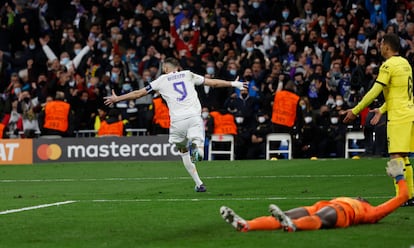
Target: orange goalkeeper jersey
(351, 211)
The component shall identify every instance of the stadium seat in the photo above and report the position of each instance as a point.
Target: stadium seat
(221, 138)
(350, 140)
(283, 148)
(85, 133)
(50, 136)
(136, 131)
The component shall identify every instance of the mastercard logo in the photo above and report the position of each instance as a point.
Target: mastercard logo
(46, 152)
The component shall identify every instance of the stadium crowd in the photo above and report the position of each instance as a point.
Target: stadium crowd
(309, 58)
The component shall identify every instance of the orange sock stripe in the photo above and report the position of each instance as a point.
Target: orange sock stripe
(308, 223)
(264, 223)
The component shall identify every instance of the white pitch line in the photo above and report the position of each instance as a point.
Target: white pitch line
(223, 199)
(175, 200)
(180, 178)
(36, 207)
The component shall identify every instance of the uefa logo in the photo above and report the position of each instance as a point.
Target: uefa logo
(49, 152)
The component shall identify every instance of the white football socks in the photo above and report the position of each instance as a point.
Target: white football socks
(191, 168)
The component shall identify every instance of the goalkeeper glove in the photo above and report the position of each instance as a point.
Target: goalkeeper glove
(395, 168)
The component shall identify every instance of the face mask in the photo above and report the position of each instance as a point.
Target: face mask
(321, 23)
(303, 107)
(285, 14)
(233, 72)
(248, 78)
(308, 119)
(104, 49)
(204, 115)
(114, 76)
(210, 70)
(256, 5)
(261, 119)
(26, 100)
(64, 61)
(186, 39)
(339, 102)
(325, 35)
(89, 85)
(17, 91)
(148, 79)
(239, 120)
(32, 47)
(249, 49)
(334, 120)
(185, 26)
(377, 7)
(126, 87)
(77, 51)
(330, 101)
(244, 95)
(308, 12)
(338, 14)
(336, 74)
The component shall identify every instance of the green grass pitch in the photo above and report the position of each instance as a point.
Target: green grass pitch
(153, 204)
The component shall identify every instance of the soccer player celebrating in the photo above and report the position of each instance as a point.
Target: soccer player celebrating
(395, 80)
(335, 213)
(187, 128)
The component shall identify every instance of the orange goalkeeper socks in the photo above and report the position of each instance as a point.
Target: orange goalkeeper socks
(264, 223)
(312, 222)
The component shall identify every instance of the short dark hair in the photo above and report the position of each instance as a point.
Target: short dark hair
(392, 40)
(172, 61)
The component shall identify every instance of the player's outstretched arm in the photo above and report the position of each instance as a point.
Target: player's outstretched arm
(395, 168)
(223, 83)
(349, 116)
(114, 98)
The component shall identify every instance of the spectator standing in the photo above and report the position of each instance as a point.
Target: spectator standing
(57, 118)
(242, 140)
(378, 12)
(84, 111)
(144, 104)
(243, 104)
(286, 110)
(13, 121)
(224, 123)
(208, 128)
(29, 109)
(112, 125)
(257, 149)
(307, 143)
(161, 119)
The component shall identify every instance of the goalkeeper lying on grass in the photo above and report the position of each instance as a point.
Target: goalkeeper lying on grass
(336, 213)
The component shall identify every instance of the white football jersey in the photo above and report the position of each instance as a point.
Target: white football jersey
(178, 90)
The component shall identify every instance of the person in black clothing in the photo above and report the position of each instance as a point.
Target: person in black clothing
(263, 127)
(307, 141)
(245, 104)
(332, 141)
(378, 145)
(243, 138)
